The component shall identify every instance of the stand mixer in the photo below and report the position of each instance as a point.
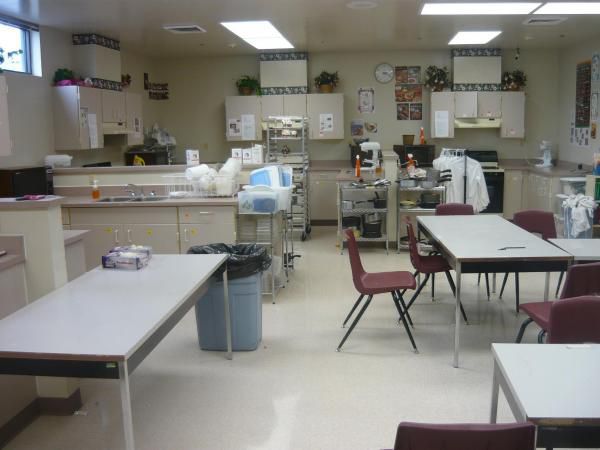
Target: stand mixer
(546, 151)
(375, 147)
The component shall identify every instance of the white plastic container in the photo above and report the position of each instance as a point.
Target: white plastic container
(224, 186)
(284, 197)
(253, 201)
(572, 185)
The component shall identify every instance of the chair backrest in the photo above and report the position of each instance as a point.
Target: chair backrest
(414, 436)
(413, 247)
(575, 320)
(582, 279)
(355, 264)
(454, 209)
(535, 221)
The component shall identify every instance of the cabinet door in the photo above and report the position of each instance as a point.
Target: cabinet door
(201, 234)
(322, 107)
(99, 241)
(235, 108)
(513, 115)
(5, 142)
(163, 239)
(513, 192)
(113, 107)
(442, 114)
(294, 105)
(489, 104)
(465, 104)
(133, 103)
(90, 118)
(271, 105)
(323, 195)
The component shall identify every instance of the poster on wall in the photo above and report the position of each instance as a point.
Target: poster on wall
(409, 93)
(416, 111)
(583, 90)
(403, 111)
(357, 128)
(596, 67)
(234, 127)
(408, 74)
(371, 127)
(366, 100)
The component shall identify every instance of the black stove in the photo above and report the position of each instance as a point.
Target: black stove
(494, 178)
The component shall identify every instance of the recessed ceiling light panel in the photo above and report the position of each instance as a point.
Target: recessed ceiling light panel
(260, 34)
(361, 4)
(570, 8)
(184, 29)
(478, 9)
(473, 37)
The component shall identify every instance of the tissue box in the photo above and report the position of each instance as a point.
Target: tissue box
(144, 250)
(124, 261)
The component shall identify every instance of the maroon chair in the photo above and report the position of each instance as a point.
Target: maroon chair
(575, 321)
(370, 284)
(427, 265)
(422, 436)
(581, 280)
(534, 221)
(459, 209)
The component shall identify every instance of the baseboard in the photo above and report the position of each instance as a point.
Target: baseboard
(19, 422)
(52, 406)
(321, 223)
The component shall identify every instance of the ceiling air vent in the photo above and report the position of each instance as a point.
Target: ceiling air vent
(544, 21)
(184, 29)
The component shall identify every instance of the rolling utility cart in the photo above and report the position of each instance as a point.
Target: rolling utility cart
(365, 209)
(287, 138)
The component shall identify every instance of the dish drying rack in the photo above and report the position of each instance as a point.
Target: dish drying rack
(179, 186)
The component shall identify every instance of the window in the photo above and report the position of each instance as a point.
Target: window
(15, 45)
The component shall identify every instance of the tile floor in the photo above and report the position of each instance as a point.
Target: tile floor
(295, 391)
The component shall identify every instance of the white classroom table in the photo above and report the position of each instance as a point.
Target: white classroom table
(489, 243)
(554, 386)
(104, 323)
(580, 249)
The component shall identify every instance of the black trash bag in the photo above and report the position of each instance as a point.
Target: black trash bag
(244, 259)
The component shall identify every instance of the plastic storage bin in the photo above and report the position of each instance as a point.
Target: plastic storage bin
(246, 315)
(263, 200)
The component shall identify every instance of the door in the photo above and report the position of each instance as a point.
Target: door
(99, 241)
(294, 105)
(323, 195)
(326, 116)
(113, 107)
(495, 187)
(236, 107)
(162, 238)
(465, 105)
(271, 105)
(133, 104)
(5, 142)
(90, 118)
(489, 104)
(201, 234)
(513, 192)
(513, 115)
(442, 114)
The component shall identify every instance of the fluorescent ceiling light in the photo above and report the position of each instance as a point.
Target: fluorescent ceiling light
(260, 34)
(569, 8)
(477, 9)
(473, 37)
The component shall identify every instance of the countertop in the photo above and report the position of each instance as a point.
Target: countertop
(87, 202)
(348, 175)
(15, 250)
(562, 168)
(72, 236)
(329, 165)
(9, 204)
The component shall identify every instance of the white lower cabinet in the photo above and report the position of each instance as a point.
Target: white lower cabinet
(513, 192)
(162, 238)
(201, 234)
(100, 239)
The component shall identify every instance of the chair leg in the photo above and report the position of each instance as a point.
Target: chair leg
(517, 291)
(487, 285)
(353, 309)
(453, 287)
(522, 329)
(401, 299)
(503, 284)
(418, 291)
(541, 336)
(361, 312)
(432, 286)
(560, 279)
(410, 336)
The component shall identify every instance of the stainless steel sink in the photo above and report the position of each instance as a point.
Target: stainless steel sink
(115, 199)
(132, 199)
(155, 198)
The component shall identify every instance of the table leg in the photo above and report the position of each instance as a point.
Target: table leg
(457, 315)
(126, 406)
(547, 286)
(227, 315)
(495, 394)
(494, 283)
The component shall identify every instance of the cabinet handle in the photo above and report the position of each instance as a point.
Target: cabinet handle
(178, 236)
(185, 235)
(205, 213)
(116, 235)
(129, 236)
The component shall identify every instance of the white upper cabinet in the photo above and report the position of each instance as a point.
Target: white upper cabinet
(77, 118)
(135, 124)
(442, 114)
(465, 105)
(271, 105)
(5, 142)
(239, 111)
(489, 105)
(114, 109)
(326, 116)
(513, 115)
(283, 105)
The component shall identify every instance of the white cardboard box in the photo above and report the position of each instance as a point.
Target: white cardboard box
(236, 153)
(192, 157)
(247, 156)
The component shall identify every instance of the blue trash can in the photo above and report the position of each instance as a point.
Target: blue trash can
(245, 305)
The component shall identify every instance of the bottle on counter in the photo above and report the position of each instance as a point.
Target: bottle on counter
(422, 136)
(95, 189)
(357, 166)
(379, 168)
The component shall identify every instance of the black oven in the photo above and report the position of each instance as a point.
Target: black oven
(494, 180)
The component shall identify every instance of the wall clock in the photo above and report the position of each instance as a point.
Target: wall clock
(384, 73)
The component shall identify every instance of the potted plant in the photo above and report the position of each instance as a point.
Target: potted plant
(248, 85)
(326, 81)
(437, 78)
(64, 77)
(514, 81)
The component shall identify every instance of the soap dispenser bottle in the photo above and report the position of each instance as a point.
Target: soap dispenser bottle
(95, 189)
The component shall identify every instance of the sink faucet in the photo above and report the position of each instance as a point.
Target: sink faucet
(134, 190)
